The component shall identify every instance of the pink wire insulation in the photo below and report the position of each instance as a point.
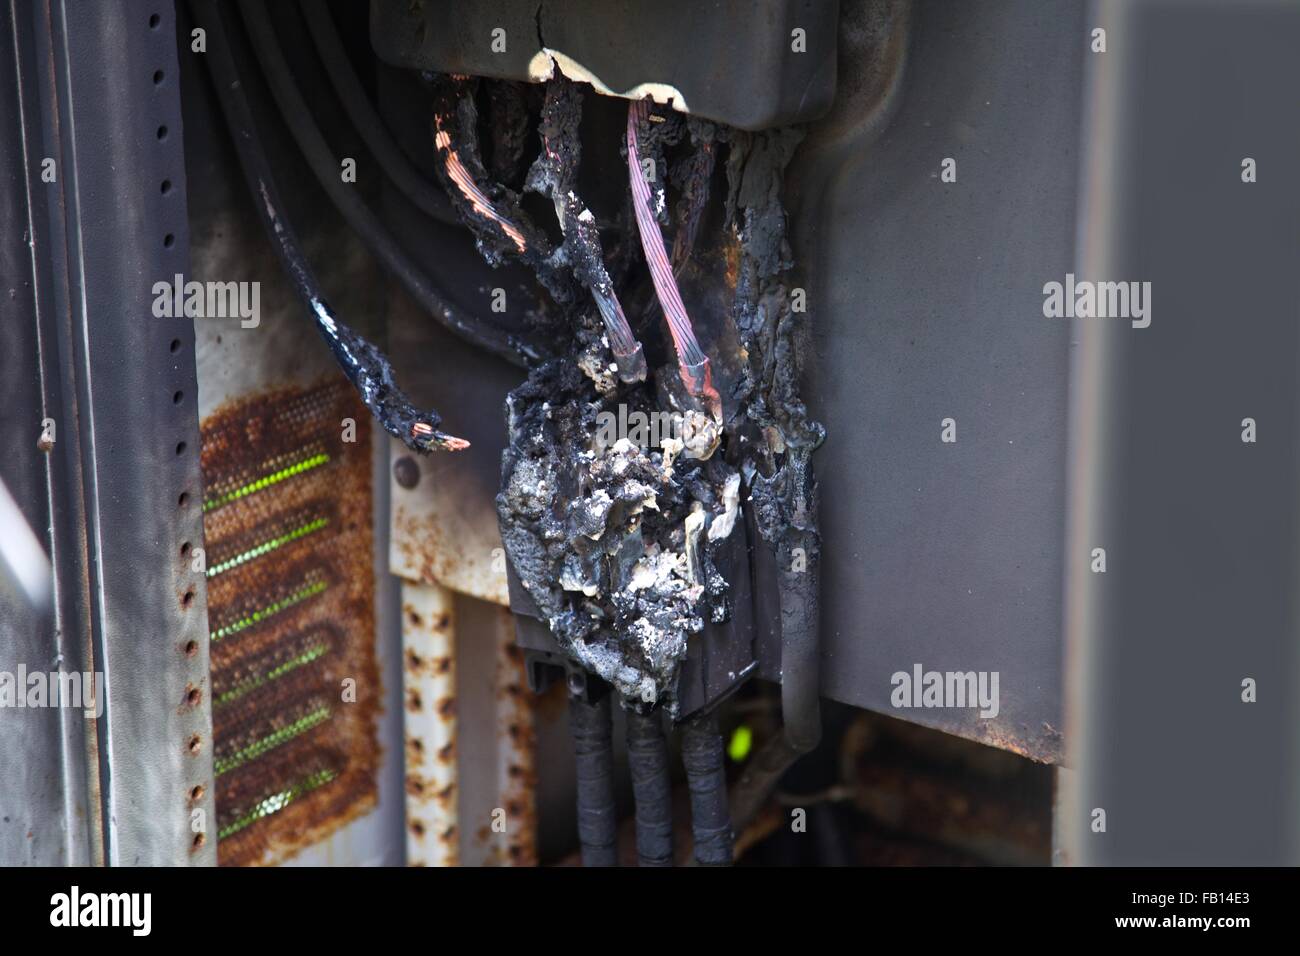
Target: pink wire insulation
(691, 360)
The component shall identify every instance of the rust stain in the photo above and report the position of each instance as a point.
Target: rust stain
(517, 730)
(192, 697)
(731, 252)
(425, 550)
(1045, 746)
(415, 786)
(428, 687)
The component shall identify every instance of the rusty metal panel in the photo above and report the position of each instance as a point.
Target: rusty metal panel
(429, 693)
(295, 684)
(516, 843)
(444, 528)
(495, 740)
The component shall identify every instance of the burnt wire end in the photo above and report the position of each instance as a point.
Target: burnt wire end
(470, 195)
(365, 366)
(369, 371)
(691, 360)
(490, 210)
(626, 349)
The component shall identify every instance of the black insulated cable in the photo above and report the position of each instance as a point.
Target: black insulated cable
(363, 363)
(422, 193)
(695, 197)
(647, 756)
(293, 108)
(800, 647)
(706, 778)
(792, 488)
(590, 725)
(555, 174)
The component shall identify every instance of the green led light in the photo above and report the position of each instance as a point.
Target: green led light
(306, 657)
(307, 464)
(742, 741)
(257, 617)
(268, 546)
(277, 802)
(271, 741)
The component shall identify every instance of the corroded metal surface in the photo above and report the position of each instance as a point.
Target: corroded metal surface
(496, 741)
(295, 685)
(516, 773)
(443, 531)
(429, 692)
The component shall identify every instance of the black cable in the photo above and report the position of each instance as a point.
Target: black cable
(363, 363)
(421, 192)
(325, 166)
(792, 488)
(647, 757)
(707, 780)
(593, 748)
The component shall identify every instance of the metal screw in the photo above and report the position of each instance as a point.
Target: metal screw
(406, 472)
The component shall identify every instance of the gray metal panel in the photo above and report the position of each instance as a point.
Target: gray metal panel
(1200, 528)
(47, 814)
(925, 300)
(118, 139)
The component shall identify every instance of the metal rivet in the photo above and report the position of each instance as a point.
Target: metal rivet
(406, 472)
